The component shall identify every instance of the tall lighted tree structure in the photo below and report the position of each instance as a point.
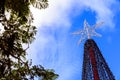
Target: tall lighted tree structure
(94, 65)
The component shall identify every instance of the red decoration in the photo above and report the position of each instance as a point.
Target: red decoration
(94, 64)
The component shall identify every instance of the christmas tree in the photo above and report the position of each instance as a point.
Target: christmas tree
(94, 64)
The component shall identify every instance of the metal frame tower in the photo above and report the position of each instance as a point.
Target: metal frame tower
(94, 65)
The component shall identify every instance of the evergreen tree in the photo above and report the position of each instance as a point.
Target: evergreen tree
(18, 30)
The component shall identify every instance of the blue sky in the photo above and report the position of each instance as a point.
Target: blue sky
(55, 47)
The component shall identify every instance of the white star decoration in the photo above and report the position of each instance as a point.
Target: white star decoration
(88, 31)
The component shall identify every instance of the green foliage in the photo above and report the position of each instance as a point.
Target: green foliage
(21, 7)
(18, 31)
(41, 4)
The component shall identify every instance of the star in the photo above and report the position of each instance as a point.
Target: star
(88, 31)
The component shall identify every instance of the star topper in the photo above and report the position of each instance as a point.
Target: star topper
(88, 31)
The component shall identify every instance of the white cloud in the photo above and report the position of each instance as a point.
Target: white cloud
(55, 15)
(52, 46)
(104, 10)
(58, 12)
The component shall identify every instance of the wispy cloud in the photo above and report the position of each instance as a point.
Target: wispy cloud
(104, 10)
(52, 47)
(55, 15)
